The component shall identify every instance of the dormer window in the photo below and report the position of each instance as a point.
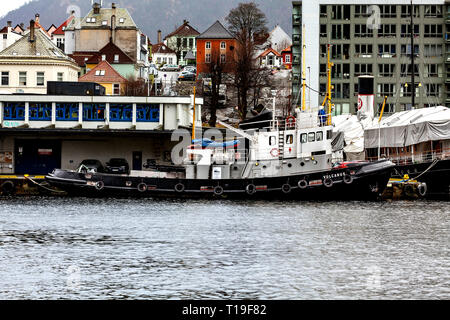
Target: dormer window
(93, 20)
(116, 58)
(121, 20)
(104, 22)
(88, 19)
(100, 72)
(103, 57)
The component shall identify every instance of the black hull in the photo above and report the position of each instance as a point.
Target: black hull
(437, 177)
(365, 181)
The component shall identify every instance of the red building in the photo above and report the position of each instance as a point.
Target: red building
(216, 44)
(287, 57)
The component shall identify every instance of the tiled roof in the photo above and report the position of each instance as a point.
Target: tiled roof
(105, 15)
(41, 47)
(103, 73)
(51, 29)
(265, 53)
(216, 31)
(81, 57)
(288, 49)
(161, 48)
(37, 25)
(185, 30)
(110, 50)
(61, 29)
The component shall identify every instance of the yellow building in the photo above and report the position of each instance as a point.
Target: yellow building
(105, 75)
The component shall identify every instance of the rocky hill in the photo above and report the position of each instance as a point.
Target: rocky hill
(152, 15)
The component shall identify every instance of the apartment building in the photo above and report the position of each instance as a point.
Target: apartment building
(374, 38)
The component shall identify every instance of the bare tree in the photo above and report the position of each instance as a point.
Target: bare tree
(136, 87)
(244, 23)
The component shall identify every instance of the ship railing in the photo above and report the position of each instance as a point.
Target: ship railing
(289, 124)
(424, 156)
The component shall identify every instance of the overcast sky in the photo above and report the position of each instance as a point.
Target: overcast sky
(8, 5)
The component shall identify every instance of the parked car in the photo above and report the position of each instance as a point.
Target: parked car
(118, 166)
(186, 76)
(190, 68)
(91, 165)
(170, 67)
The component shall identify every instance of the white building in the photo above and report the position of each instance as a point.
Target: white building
(279, 39)
(162, 54)
(27, 65)
(8, 36)
(270, 59)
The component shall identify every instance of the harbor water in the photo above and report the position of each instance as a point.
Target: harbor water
(64, 248)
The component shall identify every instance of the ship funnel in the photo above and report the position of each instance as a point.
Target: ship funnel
(366, 97)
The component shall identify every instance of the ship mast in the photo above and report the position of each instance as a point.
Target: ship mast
(327, 100)
(303, 71)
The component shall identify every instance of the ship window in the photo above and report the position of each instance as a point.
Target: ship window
(319, 136)
(67, 111)
(94, 112)
(121, 112)
(14, 111)
(290, 139)
(311, 137)
(272, 141)
(147, 113)
(329, 134)
(41, 111)
(304, 138)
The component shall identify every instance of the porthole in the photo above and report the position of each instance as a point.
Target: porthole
(302, 164)
(290, 165)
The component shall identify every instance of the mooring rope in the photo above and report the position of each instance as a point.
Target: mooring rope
(429, 168)
(44, 187)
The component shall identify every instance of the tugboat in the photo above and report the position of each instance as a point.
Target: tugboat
(289, 158)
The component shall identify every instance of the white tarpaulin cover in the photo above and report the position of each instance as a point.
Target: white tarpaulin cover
(353, 132)
(409, 127)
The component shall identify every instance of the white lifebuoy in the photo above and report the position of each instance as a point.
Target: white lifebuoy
(275, 152)
(142, 187)
(250, 189)
(348, 179)
(286, 188)
(303, 184)
(328, 182)
(179, 187)
(99, 185)
(423, 189)
(218, 191)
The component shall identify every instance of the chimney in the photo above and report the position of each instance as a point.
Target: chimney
(185, 21)
(113, 29)
(159, 36)
(37, 17)
(32, 35)
(9, 24)
(113, 5)
(96, 6)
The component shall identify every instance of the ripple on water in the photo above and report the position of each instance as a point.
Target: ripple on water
(61, 248)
